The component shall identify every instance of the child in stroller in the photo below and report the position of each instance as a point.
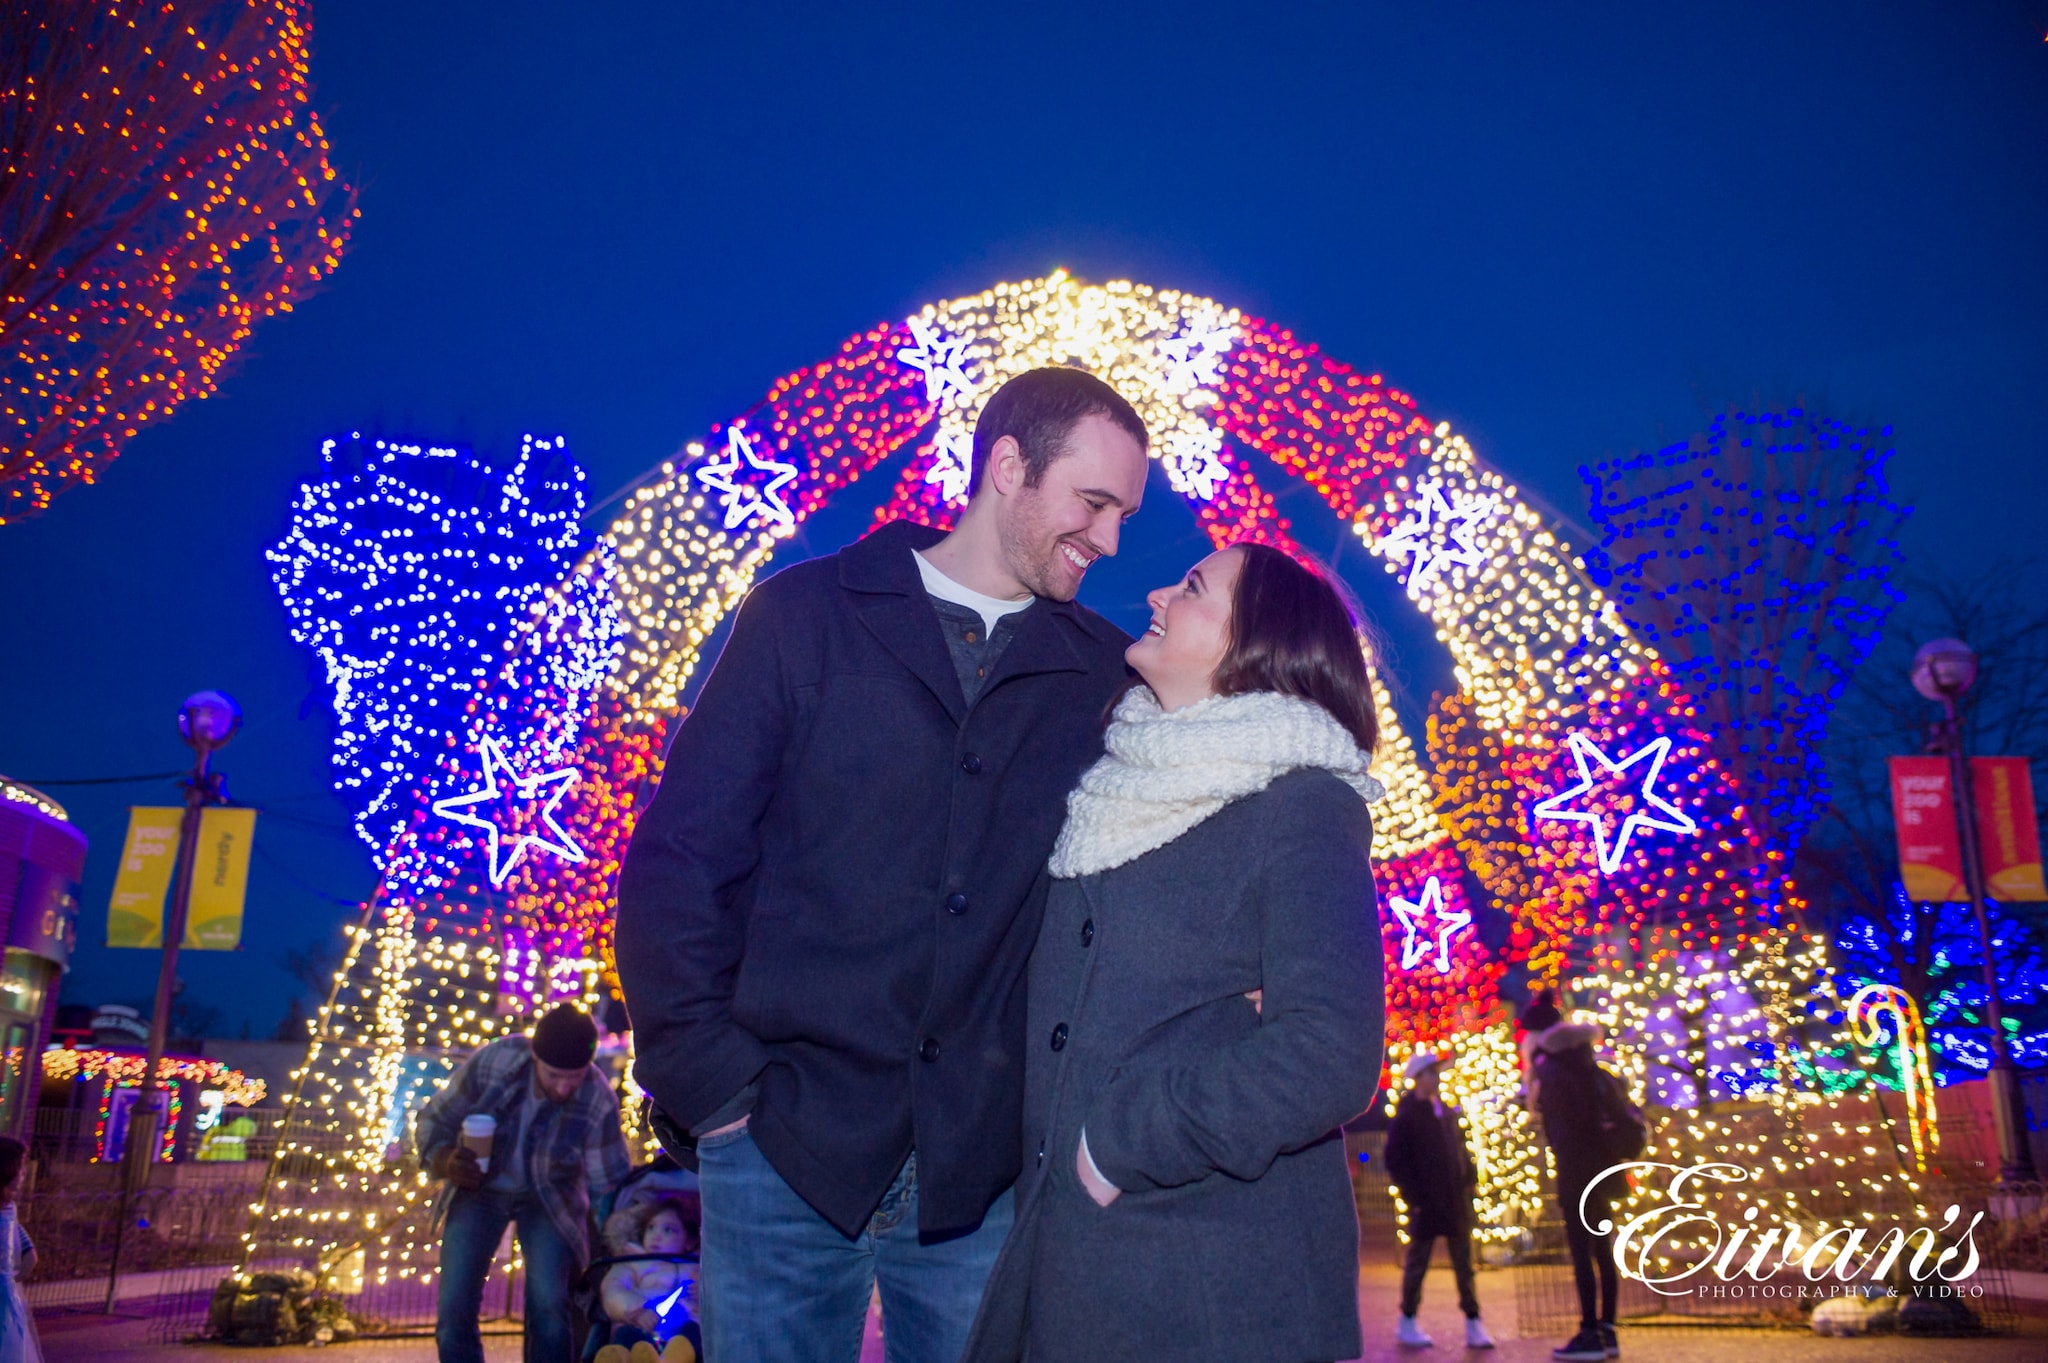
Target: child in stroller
(651, 1297)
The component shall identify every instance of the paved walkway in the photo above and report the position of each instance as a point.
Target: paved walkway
(85, 1338)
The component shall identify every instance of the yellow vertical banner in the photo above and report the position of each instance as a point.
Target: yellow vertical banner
(220, 879)
(135, 915)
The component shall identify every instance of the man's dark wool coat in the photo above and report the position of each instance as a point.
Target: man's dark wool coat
(838, 884)
(1429, 1161)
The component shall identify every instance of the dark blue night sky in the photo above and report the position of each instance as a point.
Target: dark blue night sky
(1572, 230)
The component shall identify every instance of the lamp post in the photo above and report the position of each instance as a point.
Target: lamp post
(206, 721)
(1943, 671)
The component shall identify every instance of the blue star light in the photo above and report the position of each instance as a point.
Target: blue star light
(1610, 853)
(1416, 945)
(744, 500)
(556, 785)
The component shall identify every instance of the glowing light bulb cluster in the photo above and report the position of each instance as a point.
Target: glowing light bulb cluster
(170, 188)
(405, 569)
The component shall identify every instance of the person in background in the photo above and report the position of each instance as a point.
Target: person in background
(1430, 1161)
(1589, 1126)
(557, 1148)
(826, 912)
(18, 1340)
(652, 1301)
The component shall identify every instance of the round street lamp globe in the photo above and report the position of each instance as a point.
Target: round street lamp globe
(1944, 668)
(208, 720)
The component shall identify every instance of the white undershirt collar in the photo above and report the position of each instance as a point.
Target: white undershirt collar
(990, 608)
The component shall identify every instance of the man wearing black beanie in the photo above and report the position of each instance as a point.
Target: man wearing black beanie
(554, 1147)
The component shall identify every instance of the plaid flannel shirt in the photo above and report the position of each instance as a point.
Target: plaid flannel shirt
(578, 1152)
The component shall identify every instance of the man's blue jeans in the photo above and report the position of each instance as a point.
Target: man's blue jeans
(782, 1285)
(469, 1242)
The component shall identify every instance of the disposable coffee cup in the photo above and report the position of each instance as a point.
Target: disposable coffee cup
(479, 1130)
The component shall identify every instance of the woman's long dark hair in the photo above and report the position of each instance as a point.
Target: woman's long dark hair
(1291, 632)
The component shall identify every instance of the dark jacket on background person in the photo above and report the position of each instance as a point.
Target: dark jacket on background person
(1428, 1159)
(836, 889)
(1236, 1235)
(1582, 1105)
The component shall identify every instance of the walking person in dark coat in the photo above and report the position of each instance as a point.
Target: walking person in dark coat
(1206, 998)
(1429, 1161)
(826, 913)
(1590, 1127)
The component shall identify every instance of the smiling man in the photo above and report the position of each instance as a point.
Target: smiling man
(826, 912)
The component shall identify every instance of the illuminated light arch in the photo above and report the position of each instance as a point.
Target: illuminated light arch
(1543, 661)
(591, 682)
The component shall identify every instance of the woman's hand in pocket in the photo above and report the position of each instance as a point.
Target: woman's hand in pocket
(1099, 1189)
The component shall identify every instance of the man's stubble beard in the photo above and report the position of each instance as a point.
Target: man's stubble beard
(1029, 554)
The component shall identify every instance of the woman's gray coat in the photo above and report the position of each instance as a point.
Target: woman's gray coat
(1236, 1235)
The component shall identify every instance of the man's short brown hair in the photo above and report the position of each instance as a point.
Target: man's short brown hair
(1039, 409)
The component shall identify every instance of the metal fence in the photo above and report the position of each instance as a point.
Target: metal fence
(185, 1234)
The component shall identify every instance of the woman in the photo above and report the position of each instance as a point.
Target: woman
(1206, 1003)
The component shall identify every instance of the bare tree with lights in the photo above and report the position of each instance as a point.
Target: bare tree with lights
(166, 187)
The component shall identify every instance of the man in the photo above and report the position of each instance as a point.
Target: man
(557, 1147)
(1429, 1160)
(826, 912)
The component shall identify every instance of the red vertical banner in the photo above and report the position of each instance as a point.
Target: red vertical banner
(1930, 848)
(2007, 837)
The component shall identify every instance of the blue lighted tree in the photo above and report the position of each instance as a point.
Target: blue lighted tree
(404, 567)
(1757, 559)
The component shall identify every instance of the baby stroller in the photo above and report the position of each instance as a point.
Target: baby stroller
(650, 1183)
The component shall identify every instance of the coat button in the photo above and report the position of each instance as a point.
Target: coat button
(1088, 933)
(1041, 1154)
(1059, 1037)
(929, 1051)
(971, 765)
(956, 902)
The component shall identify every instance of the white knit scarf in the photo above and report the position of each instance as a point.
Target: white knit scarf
(1167, 770)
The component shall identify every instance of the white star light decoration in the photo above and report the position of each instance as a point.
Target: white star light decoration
(555, 784)
(745, 500)
(1416, 945)
(940, 358)
(1191, 463)
(1430, 516)
(1610, 853)
(1194, 358)
(952, 464)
